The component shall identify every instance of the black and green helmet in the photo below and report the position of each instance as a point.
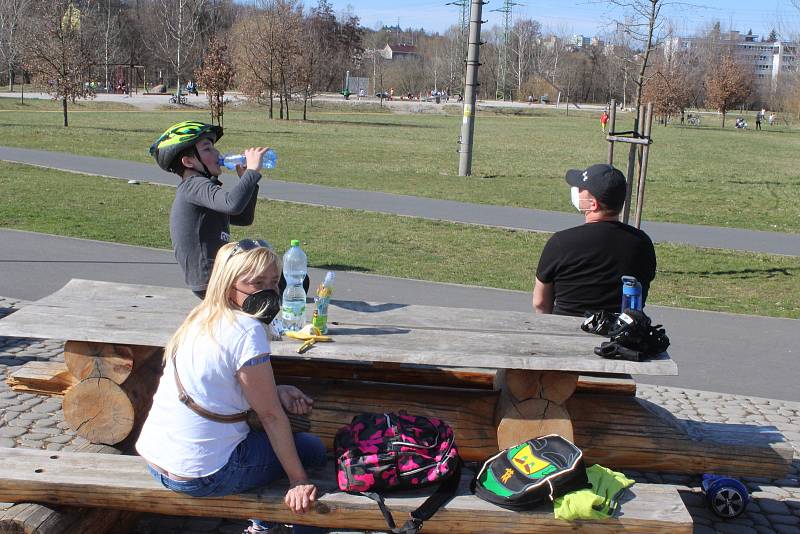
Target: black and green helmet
(178, 138)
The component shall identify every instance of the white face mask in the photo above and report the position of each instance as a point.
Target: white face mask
(576, 200)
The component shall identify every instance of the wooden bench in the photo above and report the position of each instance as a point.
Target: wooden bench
(390, 357)
(122, 482)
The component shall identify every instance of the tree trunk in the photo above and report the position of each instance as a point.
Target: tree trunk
(271, 95)
(64, 107)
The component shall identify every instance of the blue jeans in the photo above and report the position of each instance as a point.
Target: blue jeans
(253, 464)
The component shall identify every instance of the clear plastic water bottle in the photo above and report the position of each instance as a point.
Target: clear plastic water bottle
(321, 301)
(293, 305)
(268, 161)
(631, 294)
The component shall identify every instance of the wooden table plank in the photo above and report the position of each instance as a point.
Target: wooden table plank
(86, 310)
(122, 482)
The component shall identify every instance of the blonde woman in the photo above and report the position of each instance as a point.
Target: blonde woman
(217, 367)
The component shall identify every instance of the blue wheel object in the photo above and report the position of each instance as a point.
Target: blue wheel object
(727, 497)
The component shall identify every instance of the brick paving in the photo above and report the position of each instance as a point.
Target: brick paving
(35, 421)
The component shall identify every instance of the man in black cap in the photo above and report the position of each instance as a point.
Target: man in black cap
(580, 268)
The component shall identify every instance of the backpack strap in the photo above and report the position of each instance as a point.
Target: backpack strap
(446, 491)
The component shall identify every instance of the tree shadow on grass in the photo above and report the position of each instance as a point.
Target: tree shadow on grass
(737, 273)
(147, 131)
(342, 267)
(366, 123)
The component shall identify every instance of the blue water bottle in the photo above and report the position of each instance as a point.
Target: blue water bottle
(631, 294)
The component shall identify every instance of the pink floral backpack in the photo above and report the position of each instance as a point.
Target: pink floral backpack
(377, 452)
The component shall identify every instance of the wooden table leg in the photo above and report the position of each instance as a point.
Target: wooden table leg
(115, 389)
(531, 404)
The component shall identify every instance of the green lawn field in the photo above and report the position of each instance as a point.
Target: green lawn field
(697, 175)
(704, 175)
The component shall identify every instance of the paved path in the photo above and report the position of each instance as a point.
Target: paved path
(735, 354)
(482, 214)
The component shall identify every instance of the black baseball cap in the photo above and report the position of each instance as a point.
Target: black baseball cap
(606, 183)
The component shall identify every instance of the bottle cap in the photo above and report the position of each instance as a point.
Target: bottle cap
(295, 242)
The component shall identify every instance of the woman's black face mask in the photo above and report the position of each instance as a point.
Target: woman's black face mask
(264, 304)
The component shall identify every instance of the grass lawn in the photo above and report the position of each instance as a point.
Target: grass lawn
(111, 210)
(697, 175)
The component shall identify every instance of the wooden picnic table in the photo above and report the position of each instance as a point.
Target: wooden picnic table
(497, 377)
(127, 314)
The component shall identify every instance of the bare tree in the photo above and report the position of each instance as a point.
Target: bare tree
(265, 46)
(642, 23)
(253, 54)
(62, 44)
(289, 30)
(177, 31)
(111, 37)
(216, 76)
(728, 83)
(523, 40)
(12, 18)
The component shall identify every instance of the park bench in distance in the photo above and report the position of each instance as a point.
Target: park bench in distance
(388, 357)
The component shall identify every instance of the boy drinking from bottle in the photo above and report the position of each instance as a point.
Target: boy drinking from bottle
(202, 212)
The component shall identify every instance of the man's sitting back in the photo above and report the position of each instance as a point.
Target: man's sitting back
(580, 268)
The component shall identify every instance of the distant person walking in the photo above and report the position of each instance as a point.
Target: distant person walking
(604, 120)
(759, 117)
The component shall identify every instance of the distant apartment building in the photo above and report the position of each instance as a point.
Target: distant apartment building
(769, 60)
(581, 41)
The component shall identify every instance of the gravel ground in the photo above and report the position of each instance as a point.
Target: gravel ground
(36, 421)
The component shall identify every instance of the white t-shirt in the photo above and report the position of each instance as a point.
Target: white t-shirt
(173, 436)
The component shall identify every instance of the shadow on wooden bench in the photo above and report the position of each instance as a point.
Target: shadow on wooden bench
(122, 482)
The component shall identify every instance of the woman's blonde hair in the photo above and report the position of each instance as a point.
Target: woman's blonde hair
(231, 265)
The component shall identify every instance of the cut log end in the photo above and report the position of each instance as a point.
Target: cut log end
(99, 410)
(523, 384)
(116, 362)
(531, 419)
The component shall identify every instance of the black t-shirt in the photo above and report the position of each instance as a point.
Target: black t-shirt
(585, 264)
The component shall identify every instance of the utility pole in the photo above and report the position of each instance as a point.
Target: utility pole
(470, 89)
(502, 51)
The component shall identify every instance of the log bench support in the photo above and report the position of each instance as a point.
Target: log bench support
(607, 421)
(122, 482)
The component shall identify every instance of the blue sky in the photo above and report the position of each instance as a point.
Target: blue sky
(580, 16)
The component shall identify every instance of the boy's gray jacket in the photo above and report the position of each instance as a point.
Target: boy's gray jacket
(199, 223)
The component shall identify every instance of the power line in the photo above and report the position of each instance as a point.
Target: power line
(502, 52)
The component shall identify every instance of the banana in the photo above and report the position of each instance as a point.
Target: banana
(307, 333)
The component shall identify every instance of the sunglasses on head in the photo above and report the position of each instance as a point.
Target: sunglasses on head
(249, 244)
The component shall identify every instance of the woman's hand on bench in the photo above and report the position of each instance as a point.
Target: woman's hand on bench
(301, 496)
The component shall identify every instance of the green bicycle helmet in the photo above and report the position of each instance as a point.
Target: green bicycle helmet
(178, 138)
